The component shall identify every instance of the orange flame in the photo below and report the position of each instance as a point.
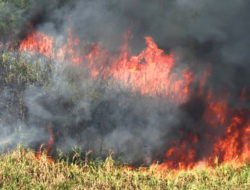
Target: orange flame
(48, 148)
(38, 42)
(243, 95)
(50, 143)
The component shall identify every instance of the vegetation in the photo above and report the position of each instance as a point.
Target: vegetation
(22, 170)
(12, 15)
(17, 72)
(18, 69)
(17, 15)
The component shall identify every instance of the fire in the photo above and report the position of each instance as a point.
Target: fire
(232, 146)
(38, 42)
(48, 148)
(243, 95)
(50, 143)
(150, 73)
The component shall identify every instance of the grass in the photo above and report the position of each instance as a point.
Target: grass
(19, 170)
(17, 72)
(21, 69)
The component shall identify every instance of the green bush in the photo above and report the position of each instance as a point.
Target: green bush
(12, 15)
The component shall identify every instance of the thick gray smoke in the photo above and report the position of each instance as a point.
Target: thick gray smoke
(103, 114)
(201, 32)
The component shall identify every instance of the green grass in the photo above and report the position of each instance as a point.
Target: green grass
(20, 69)
(23, 171)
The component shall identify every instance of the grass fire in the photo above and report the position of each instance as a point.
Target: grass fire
(124, 94)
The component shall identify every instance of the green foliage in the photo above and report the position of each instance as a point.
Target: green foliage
(15, 14)
(19, 70)
(12, 15)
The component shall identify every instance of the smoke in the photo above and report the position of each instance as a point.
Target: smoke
(102, 114)
(214, 32)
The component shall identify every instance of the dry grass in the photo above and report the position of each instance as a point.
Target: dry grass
(24, 171)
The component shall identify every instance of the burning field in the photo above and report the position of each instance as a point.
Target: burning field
(162, 84)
